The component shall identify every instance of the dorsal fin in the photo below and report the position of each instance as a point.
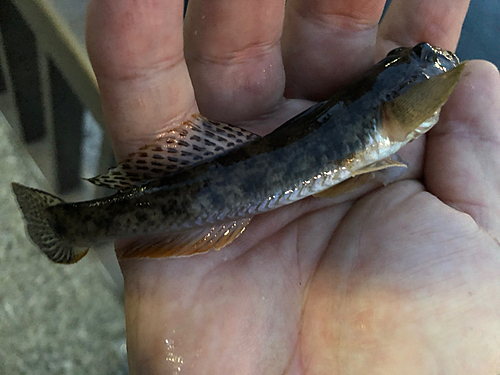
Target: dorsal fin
(195, 141)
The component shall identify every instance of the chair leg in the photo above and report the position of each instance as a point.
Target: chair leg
(22, 59)
(68, 130)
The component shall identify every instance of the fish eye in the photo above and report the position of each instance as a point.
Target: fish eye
(425, 52)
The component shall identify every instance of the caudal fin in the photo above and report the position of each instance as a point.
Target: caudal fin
(40, 222)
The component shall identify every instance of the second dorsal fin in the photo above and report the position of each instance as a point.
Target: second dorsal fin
(195, 141)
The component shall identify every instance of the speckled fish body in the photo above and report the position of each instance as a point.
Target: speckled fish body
(208, 203)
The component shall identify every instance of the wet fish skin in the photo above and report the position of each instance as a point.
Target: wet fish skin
(308, 154)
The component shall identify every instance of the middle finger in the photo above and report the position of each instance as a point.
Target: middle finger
(326, 43)
(232, 48)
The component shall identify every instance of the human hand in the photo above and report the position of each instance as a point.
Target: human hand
(400, 279)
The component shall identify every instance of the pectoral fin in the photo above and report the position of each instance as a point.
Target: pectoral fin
(186, 243)
(345, 186)
(420, 102)
(361, 177)
(379, 165)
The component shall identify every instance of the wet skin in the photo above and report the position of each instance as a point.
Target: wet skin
(390, 280)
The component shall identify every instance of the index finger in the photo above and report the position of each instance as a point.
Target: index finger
(136, 49)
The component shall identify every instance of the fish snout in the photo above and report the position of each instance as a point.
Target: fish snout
(442, 59)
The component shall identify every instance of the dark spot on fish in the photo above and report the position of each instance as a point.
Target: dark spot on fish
(184, 132)
(197, 157)
(170, 140)
(142, 168)
(143, 154)
(239, 141)
(208, 153)
(186, 153)
(140, 161)
(195, 138)
(157, 164)
(230, 144)
(218, 148)
(208, 143)
(133, 174)
(157, 148)
(172, 151)
(197, 148)
(210, 134)
(126, 166)
(156, 156)
(232, 136)
(172, 159)
(156, 170)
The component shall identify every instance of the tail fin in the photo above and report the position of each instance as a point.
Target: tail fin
(34, 205)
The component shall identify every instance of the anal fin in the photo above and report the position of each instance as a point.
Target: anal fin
(185, 243)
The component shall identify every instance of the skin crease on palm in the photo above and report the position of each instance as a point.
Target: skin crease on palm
(391, 280)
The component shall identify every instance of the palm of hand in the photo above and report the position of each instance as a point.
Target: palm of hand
(399, 279)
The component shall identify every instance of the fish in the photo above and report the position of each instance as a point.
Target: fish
(196, 187)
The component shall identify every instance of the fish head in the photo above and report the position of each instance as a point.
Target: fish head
(423, 78)
(433, 60)
(406, 66)
(400, 69)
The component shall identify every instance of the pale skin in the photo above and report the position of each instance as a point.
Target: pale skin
(391, 280)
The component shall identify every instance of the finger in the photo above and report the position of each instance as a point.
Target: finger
(234, 58)
(136, 49)
(463, 151)
(408, 22)
(326, 43)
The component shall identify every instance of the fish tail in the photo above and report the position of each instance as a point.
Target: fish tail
(40, 224)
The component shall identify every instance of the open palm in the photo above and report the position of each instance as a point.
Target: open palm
(399, 279)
